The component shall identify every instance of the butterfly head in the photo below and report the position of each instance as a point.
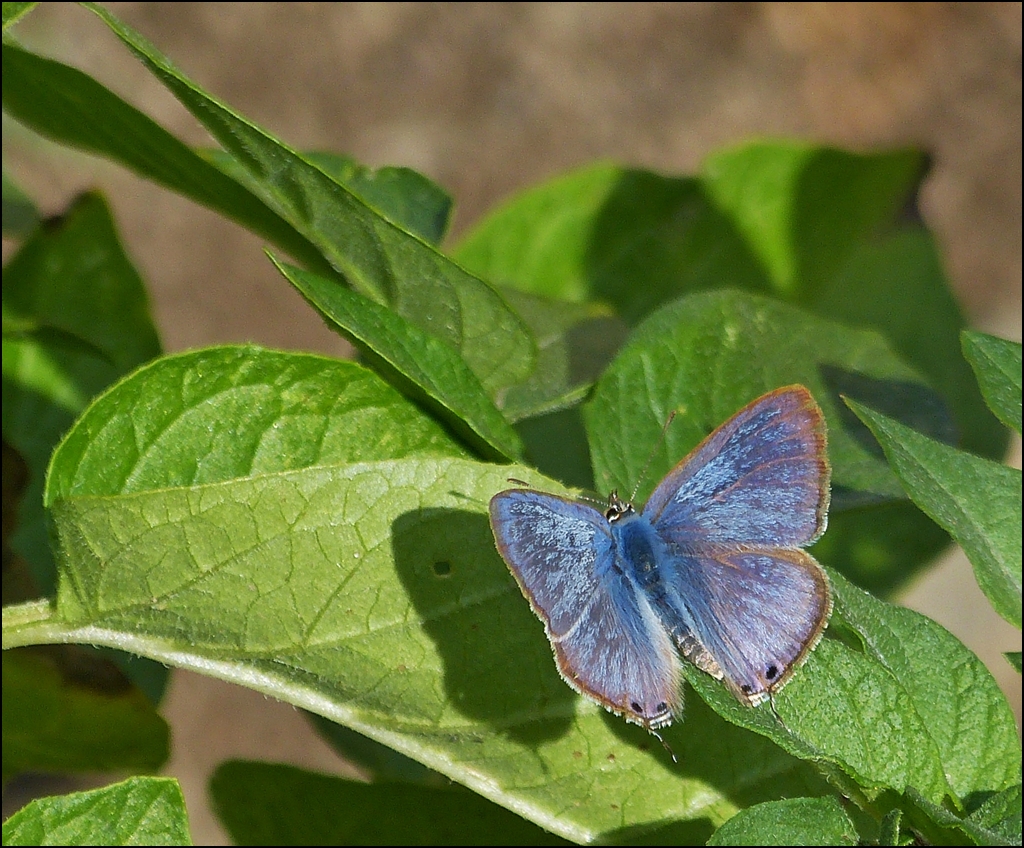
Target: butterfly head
(617, 508)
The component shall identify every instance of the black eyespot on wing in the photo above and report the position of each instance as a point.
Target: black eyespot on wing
(747, 688)
(635, 707)
(772, 672)
(662, 708)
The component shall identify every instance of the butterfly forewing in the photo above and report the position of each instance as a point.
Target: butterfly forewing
(608, 642)
(762, 478)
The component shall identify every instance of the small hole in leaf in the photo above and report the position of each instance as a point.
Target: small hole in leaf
(442, 568)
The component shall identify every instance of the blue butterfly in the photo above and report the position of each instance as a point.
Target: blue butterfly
(712, 567)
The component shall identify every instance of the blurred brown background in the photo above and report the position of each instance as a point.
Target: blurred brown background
(490, 98)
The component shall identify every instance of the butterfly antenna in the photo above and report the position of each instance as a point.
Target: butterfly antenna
(650, 458)
(527, 485)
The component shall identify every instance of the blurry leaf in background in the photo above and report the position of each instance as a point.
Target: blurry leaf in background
(76, 317)
(20, 215)
(67, 710)
(269, 804)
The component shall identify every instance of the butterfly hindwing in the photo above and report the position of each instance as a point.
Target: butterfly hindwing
(757, 612)
(608, 642)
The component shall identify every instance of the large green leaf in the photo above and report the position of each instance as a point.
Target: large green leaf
(378, 258)
(897, 286)
(969, 722)
(76, 317)
(138, 811)
(270, 804)
(372, 594)
(821, 228)
(827, 226)
(893, 704)
(707, 355)
(625, 237)
(978, 501)
(420, 364)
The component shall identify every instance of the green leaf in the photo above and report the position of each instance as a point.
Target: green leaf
(401, 195)
(1014, 659)
(897, 286)
(996, 822)
(627, 238)
(803, 209)
(968, 720)
(269, 804)
(889, 829)
(998, 818)
(889, 702)
(575, 342)
(421, 365)
(794, 821)
(54, 720)
(705, 356)
(827, 226)
(70, 107)
(978, 501)
(20, 215)
(376, 257)
(76, 317)
(236, 412)
(14, 12)
(138, 811)
(996, 363)
(822, 228)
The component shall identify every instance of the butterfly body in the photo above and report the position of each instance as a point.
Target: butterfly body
(711, 568)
